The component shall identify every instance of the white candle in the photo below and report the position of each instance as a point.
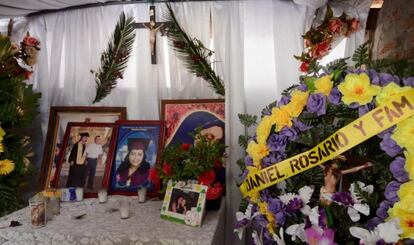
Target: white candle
(102, 196)
(124, 207)
(142, 194)
(79, 194)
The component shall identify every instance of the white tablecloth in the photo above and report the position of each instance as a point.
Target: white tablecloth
(99, 226)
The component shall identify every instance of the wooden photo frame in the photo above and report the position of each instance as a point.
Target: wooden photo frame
(184, 203)
(59, 116)
(87, 157)
(182, 117)
(139, 142)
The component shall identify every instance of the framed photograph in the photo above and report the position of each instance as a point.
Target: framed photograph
(182, 117)
(184, 203)
(137, 151)
(58, 120)
(87, 152)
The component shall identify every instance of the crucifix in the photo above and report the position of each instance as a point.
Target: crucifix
(153, 28)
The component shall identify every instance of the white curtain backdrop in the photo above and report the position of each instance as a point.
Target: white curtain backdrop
(254, 43)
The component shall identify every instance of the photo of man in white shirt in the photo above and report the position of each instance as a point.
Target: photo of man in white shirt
(93, 153)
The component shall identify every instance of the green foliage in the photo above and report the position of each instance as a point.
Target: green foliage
(193, 53)
(243, 140)
(18, 107)
(247, 120)
(115, 58)
(361, 56)
(338, 64)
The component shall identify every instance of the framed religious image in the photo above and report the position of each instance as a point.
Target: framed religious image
(87, 152)
(58, 120)
(184, 203)
(182, 117)
(137, 151)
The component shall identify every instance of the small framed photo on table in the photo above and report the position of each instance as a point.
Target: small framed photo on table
(184, 203)
(137, 151)
(87, 157)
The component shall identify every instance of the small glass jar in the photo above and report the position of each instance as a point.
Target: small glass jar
(102, 196)
(142, 194)
(37, 207)
(124, 207)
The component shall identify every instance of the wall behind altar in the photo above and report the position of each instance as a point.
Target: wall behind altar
(254, 42)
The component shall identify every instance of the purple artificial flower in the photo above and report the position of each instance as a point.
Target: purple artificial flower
(260, 222)
(398, 171)
(272, 158)
(294, 205)
(353, 105)
(241, 223)
(372, 223)
(284, 100)
(289, 132)
(387, 131)
(373, 75)
(389, 146)
(244, 174)
(343, 198)
(408, 81)
(317, 103)
(300, 125)
(302, 87)
(335, 96)
(391, 190)
(382, 211)
(323, 219)
(385, 79)
(314, 236)
(362, 110)
(277, 142)
(278, 209)
(248, 161)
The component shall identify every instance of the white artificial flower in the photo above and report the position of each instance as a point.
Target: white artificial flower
(314, 216)
(358, 206)
(257, 240)
(296, 230)
(389, 232)
(280, 240)
(304, 194)
(247, 215)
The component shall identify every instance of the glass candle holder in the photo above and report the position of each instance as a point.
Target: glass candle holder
(79, 194)
(102, 196)
(142, 194)
(124, 209)
(37, 207)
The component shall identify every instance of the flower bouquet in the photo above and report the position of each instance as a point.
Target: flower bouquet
(18, 107)
(357, 186)
(201, 161)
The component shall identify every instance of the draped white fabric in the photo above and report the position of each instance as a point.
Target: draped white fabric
(254, 43)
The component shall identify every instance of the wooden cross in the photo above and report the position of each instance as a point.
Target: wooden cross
(153, 27)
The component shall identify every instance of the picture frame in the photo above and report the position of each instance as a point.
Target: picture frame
(87, 157)
(59, 116)
(184, 203)
(147, 138)
(182, 117)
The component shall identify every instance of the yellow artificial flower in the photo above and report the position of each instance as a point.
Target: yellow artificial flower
(294, 108)
(265, 212)
(2, 133)
(389, 91)
(404, 134)
(1, 147)
(263, 130)
(281, 117)
(324, 85)
(357, 88)
(404, 211)
(6, 167)
(299, 97)
(409, 164)
(406, 191)
(257, 152)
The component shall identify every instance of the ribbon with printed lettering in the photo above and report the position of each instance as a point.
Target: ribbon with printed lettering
(397, 109)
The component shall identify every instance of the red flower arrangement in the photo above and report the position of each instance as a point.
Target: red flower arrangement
(318, 40)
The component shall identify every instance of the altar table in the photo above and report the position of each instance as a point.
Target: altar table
(103, 226)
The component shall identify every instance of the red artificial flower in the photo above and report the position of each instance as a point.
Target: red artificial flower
(335, 26)
(304, 67)
(218, 163)
(353, 26)
(214, 191)
(185, 146)
(207, 177)
(166, 168)
(31, 41)
(27, 74)
(153, 175)
(321, 49)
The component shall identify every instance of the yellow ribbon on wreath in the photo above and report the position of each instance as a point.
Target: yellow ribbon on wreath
(397, 109)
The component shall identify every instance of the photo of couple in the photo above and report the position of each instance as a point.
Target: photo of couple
(182, 201)
(85, 157)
